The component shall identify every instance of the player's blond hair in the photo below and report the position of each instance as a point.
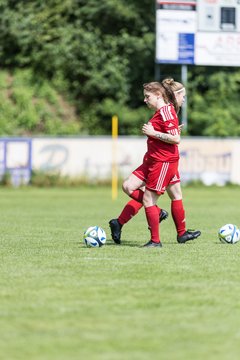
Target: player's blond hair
(175, 85)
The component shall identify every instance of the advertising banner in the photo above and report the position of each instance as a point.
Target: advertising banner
(203, 32)
(212, 161)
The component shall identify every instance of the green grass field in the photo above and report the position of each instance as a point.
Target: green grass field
(63, 301)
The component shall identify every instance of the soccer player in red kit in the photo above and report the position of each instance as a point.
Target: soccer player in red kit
(159, 170)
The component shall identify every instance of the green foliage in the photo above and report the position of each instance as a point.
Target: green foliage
(6, 180)
(30, 106)
(102, 50)
(45, 179)
(214, 105)
(130, 120)
(98, 54)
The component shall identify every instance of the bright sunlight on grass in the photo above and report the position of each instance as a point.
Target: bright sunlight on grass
(63, 301)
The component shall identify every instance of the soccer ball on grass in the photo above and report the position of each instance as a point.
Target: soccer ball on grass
(94, 236)
(229, 234)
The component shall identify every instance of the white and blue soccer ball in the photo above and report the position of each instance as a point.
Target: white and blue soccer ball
(94, 236)
(229, 234)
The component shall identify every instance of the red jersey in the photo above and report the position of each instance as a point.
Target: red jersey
(164, 120)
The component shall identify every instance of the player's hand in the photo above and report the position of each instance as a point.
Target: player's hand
(148, 130)
(180, 128)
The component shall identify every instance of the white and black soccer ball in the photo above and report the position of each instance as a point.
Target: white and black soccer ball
(94, 236)
(229, 234)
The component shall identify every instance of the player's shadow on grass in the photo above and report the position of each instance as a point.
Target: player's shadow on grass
(124, 243)
(131, 243)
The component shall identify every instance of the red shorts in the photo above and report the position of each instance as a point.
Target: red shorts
(158, 175)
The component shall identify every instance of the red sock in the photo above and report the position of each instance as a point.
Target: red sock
(137, 195)
(178, 215)
(152, 215)
(130, 210)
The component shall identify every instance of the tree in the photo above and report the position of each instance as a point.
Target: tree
(99, 53)
(213, 100)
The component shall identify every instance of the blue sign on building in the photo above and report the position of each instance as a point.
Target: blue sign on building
(186, 48)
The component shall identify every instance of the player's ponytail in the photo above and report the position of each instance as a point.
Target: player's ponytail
(168, 85)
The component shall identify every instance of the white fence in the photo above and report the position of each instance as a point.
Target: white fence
(213, 161)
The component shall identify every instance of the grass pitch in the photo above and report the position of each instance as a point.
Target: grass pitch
(62, 301)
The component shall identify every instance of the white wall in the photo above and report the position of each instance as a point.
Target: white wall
(205, 159)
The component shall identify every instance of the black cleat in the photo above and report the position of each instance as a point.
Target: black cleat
(163, 215)
(115, 230)
(188, 235)
(152, 244)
